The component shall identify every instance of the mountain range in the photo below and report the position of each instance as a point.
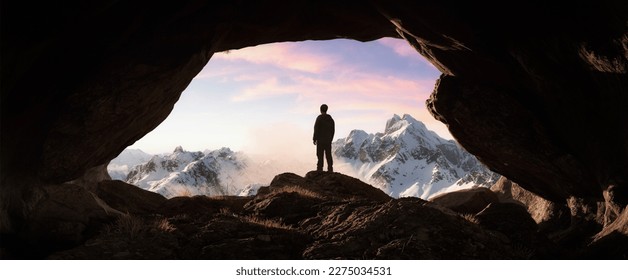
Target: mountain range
(406, 159)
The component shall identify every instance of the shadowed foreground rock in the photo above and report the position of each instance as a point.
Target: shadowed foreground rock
(469, 201)
(319, 216)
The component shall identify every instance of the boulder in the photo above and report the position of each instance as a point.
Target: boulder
(65, 216)
(90, 179)
(129, 199)
(202, 206)
(342, 186)
(399, 229)
(469, 201)
(549, 215)
(611, 242)
(513, 221)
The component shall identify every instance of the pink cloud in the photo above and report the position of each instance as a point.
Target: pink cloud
(267, 88)
(355, 89)
(282, 55)
(369, 97)
(401, 47)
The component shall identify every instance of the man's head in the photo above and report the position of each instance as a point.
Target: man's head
(324, 108)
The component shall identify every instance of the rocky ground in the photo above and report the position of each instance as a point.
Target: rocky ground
(319, 216)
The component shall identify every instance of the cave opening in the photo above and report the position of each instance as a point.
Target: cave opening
(261, 102)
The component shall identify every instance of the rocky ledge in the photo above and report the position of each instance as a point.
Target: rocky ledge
(319, 216)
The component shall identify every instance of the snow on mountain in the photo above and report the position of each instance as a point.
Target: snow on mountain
(250, 190)
(410, 160)
(184, 173)
(120, 166)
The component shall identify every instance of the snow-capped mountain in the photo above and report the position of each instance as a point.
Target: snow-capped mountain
(184, 173)
(120, 166)
(410, 160)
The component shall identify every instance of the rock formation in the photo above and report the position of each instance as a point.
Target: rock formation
(470, 201)
(319, 216)
(537, 91)
(548, 214)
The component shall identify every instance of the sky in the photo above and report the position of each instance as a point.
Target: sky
(265, 98)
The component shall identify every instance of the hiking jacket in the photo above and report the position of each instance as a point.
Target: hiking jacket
(324, 128)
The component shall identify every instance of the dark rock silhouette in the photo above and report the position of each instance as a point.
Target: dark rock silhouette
(542, 102)
(551, 216)
(320, 216)
(612, 242)
(469, 201)
(128, 198)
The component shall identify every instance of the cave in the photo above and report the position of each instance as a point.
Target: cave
(536, 90)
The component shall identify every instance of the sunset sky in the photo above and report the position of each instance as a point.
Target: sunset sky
(264, 98)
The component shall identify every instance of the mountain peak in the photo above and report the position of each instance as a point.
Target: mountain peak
(408, 159)
(178, 149)
(392, 124)
(397, 123)
(409, 118)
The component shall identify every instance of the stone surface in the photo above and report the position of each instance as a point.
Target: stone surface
(612, 241)
(469, 201)
(308, 221)
(305, 221)
(528, 100)
(549, 215)
(65, 216)
(92, 177)
(128, 198)
(513, 221)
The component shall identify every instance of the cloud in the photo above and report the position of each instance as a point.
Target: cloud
(282, 55)
(358, 91)
(401, 47)
(268, 88)
(404, 49)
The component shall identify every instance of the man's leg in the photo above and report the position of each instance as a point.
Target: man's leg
(319, 155)
(330, 161)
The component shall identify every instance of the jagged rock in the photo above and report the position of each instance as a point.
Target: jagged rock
(515, 222)
(201, 205)
(509, 218)
(65, 216)
(342, 186)
(287, 179)
(342, 226)
(400, 229)
(469, 201)
(328, 184)
(549, 215)
(289, 206)
(527, 99)
(612, 241)
(128, 198)
(587, 219)
(92, 177)
(252, 239)
(615, 201)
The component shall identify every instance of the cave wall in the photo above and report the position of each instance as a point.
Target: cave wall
(537, 91)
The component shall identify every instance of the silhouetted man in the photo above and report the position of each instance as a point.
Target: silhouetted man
(324, 129)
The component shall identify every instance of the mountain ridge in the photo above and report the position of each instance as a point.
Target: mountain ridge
(407, 159)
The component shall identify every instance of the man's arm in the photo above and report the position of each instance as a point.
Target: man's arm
(316, 130)
(333, 128)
